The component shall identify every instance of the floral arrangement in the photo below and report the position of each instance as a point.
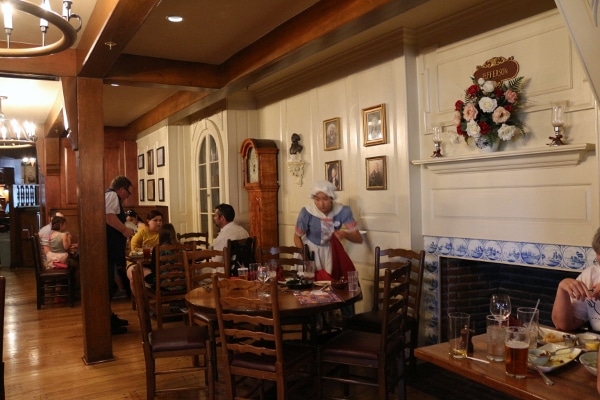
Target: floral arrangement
(489, 109)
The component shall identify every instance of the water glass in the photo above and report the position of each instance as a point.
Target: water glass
(243, 273)
(529, 317)
(516, 351)
(496, 332)
(309, 270)
(458, 334)
(352, 281)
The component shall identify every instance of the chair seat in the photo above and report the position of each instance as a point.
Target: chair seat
(353, 345)
(56, 272)
(292, 354)
(180, 338)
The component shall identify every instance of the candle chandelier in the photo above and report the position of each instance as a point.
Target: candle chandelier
(13, 134)
(47, 19)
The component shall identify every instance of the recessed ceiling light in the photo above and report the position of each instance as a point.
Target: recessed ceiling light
(114, 84)
(175, 18)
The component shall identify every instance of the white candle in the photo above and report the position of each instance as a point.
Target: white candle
(7, 11)
(45, 6)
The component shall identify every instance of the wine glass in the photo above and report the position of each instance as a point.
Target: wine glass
(262, 273)
(500, 306)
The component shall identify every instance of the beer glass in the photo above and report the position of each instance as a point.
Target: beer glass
(516, 350)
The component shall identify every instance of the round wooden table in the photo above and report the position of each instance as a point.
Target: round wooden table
(201, 300)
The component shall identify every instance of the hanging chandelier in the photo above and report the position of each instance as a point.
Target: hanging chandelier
(47, 19)
(13, 134)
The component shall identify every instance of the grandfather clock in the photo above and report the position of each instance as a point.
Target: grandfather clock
(260, 180)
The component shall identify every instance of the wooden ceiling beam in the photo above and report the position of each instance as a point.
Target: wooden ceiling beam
(115, 22)
(130, 70)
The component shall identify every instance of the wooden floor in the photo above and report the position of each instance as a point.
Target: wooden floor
(43, 352)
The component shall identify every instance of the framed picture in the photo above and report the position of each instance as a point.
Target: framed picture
(150, 165)
(151, 190)
(331, 132)
(29, 174)
(160, 157)
(161, 189)
(141, 189)
(141, 161)
(333, 173)
(376, 173)
(374, 126)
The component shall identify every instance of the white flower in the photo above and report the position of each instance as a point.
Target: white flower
(488, 104)
(488, 86)
(473, 129)
(506, 132)
(480, 81)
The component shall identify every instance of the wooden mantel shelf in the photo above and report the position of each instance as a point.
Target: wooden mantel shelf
(566, 155)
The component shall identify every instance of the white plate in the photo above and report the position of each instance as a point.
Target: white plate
(558, 360)
(547, 335)
(322, 283)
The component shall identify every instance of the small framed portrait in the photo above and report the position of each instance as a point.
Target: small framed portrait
(374, 125)
(141, 161)
(376, 173)
(333, 173)
(161, 189)
(160, 157)
(141, 190)
(151, 190)
(331, 132)
(150, 162)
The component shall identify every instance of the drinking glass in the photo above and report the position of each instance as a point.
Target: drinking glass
(528, 317)
(458, 334)
(500, 306)
(262, 273)
(516, 351)
(272, 269)
(496, 332)
(309, 270)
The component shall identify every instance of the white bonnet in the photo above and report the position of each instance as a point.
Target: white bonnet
(323, 186)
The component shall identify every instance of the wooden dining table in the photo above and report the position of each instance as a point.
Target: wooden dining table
(571, 381)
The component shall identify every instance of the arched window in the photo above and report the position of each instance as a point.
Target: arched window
(209, 182)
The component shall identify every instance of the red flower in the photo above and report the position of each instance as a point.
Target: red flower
(485, 127)
(472, 91)
(458, 106)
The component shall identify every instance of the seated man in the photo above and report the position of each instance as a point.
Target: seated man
(223, 218)
(576, 299)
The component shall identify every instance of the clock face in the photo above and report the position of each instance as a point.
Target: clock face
(252, 166)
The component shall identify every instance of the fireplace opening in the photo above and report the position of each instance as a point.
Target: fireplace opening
(466, 286)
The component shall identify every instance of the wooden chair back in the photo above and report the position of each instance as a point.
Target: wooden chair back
(392, 259)
(396, 287)
(241, 252)
(170, 284)
(256, 338)
(199, 267)
(194, 240)
(52, 283)
(290, 258)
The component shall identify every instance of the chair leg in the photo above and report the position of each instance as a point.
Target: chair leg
(412, 360)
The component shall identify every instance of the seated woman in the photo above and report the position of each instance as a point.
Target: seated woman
(145, 237)
(576, 299)
(59, 244)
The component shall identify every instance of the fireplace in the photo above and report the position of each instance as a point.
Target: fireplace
(466, 286)
(462, 273)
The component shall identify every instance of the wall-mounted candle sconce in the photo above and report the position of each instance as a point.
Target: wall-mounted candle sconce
(437, 141)
(558, 123)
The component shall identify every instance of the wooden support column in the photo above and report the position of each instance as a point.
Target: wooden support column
(95, 302)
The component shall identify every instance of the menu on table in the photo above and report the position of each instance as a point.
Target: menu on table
(315, 297)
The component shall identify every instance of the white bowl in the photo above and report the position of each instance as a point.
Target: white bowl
(589, 361)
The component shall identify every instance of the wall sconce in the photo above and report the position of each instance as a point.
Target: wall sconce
(28, 160)
(557, 120)
(437, 141)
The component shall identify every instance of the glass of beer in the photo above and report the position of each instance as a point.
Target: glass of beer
(516, 348)
(458, 334)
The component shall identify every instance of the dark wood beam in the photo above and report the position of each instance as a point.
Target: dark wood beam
(130, 70)
(112, 22)
(61, 64)
(171, 106)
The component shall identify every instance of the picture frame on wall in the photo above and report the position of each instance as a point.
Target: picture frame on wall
(160, 157)
(376, 173)
(140, 161)
(331, 134)
(374, 125)
(141, 190)
(333, 173)
(151, 190)
(150, 162)
(161, 189)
